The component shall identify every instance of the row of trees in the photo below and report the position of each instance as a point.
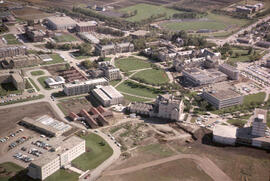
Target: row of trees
(110, 31)
(190, 40)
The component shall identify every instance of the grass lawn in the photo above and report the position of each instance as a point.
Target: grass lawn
(152, 76)
(256, 98)
(213, 22)
(157, 149)
(62, 109)
(237, 122)
(9, 167)
(131, 63)
(42, 82)
(134, 99)
(114, 82)
(137, 89)
(243, 55)
(56, 59)
(64, 38)
(34, 84)
(8, 88)
(11, 39)
(37, 73)
(145, 11)
(63, 175)
(95, 153)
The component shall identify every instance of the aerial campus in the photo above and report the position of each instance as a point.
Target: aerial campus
(164, 90)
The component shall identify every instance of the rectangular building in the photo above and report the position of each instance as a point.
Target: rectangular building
(230, 71)
(83, 87)
(60, 22)
(10, 51)
(259, 123)
(222, 98)
(15, 78)
(86, 26)
(224, 135)
(21, 61)
(62, 155)
(108, 95)
(103, 50)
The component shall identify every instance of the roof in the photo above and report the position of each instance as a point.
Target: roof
(87, 23)
(225, 131)
(107, 92)
(224, 94)
(261, 114)
(87, 82)
(229, 67)
(61, 20)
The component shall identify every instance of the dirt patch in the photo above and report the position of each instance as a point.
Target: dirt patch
(28, 13)
(55, 70)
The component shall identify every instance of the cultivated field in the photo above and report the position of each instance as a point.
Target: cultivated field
(28, 13)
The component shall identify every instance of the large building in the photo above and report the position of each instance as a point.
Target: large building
(103, 50)
(224, 134)
(21, 61)
(165, 107)
(108, 95)
(83, 87)
(107, 70)
(60, 22)
(86, 26)
(34, 35)
(55, 82)
(15, 78)
(221, 98)
(10, 51)
(45, 125)
(200, 77)
(61, 156)
(230, 71)
(259, 123)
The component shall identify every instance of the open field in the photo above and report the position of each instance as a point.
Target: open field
(137, 89)
(11, 39)
(74, 104)
(145, 11)
(255, 98)
(56, 59)
(134, 99)
(211, 22)
(64, 38)
(37, 73)
(28, 13)
(10, 116)
(243, 55)
(131, 63)
(97, 151)
(152, 76)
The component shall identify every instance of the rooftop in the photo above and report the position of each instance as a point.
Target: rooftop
(87, 23)
(61, 20)
(225, 131)
(224, 94)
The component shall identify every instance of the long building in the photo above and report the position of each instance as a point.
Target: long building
(222, 98)
(61, 22)
(108, 95)
(21, 61)
(230, 71)
(86, 26)
(61, 156)
(10, 51)
(103, 50)
(83, 87)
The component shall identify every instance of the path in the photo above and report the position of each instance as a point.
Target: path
(205, 164)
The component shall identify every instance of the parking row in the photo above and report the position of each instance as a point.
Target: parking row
(3, 140)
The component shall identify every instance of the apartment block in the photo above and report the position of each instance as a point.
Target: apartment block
(10, 51)
(230, 71)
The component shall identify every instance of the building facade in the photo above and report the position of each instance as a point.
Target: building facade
(88, 26)
(61, 23)
(10, 51)
(103, 50)
(230, 71)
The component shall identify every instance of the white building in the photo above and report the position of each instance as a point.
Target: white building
(62, 155)
(61, 22)
(259, 123)
(108, 95)
(58, 81)
(224, 134)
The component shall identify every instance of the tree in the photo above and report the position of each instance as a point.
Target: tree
(88, 64)
(85, 49)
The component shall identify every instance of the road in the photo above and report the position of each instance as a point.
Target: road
(204, 163)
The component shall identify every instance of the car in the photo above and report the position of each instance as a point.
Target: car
(95, 131)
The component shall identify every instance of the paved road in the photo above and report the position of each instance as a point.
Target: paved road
(205, 164)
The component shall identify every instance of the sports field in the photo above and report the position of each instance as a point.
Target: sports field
(64, 38)
(152, 76)
(145, 11)
(131, 63)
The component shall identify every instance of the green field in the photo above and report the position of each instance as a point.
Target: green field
(145, 11)
(114, 82)
(64, 38)
(11, 39)
(37, 73)
(96, 153)
(134, 99)
(131, 63)
(63, 175)
(243, 55)
(137, 89)
(56, 59)
(254, 98)
(42, 82)
(34, 84)
(213, 22)
(152, 76)
(237, 122)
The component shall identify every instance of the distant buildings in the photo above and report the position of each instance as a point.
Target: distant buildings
(15, 78)
(222, 98)
(165, 107)
(103, 50)
(264, 44)
(60, 156)
(108, 95)
(88, 26)
(83, 87)
(224, 134)
(10, 51)
(61, 22)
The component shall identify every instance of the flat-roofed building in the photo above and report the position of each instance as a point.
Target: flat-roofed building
(46, 125)
(104, 50)
(83, 87)
(243, 9)
(87, 26)
(221, 98)
(230, 71)
(34, 34)
(224, 134)
(13, 77)
(21, 61)
(264, 44)
(55, 82)
(259, 123)
(62, 155)
(10, 51)
(108, 95)
(61, 22)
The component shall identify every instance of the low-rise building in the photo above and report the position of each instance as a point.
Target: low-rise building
(264, 44)
(83, 87)
(87, 26)
(61, 156)
(55, 82)
(224, 134)
(108, 95)
(88, 37)
(60, 22)
(103, 50)
(244, 10)
(21, 61)
(10, 51)
(232, 72)
(34, 35)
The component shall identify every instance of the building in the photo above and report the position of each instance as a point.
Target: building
(244, 10)
(61, 22)
(58, 81)
(45, 57)
(72, 75)
(165, 107)
(83, 87)
(200, 77)
(214, 55)
(10, 51)
(109, 71)
(232, 72)
(103, 50)
(34, 35)
(45, 125)
(264, 44)
(21, 61)
(87, 26)
(259, 123)
(108, 95)
(244, 40)
(61, 156)
(223, 97)
(88, 37)
(224, 134)
(139, 34)
(268, 63)
(15, 78)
